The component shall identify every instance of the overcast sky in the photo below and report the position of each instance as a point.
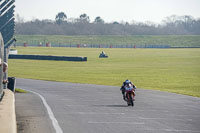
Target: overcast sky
(108, 10)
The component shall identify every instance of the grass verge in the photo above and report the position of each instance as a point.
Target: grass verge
(18, 90)
(172, 70)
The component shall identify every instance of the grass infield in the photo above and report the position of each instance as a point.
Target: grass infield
(172, 70)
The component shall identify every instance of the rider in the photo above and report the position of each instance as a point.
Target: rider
(103, 53)
(125, 83)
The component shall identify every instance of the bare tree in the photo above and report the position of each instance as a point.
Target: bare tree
(19, 19)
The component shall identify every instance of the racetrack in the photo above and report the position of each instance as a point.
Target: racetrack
(89, 108)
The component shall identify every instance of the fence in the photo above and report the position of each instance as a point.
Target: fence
(7, 31)
(96, 45)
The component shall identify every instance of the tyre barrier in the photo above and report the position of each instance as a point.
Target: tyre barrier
(11, 83)
(43, 57)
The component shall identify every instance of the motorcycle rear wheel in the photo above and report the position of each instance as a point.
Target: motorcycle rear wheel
(131, 99)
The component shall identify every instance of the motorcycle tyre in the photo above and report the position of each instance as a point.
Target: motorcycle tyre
(131, 99)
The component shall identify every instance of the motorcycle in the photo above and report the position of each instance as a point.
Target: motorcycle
(130, 94)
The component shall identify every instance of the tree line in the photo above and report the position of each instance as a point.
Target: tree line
(62, 25)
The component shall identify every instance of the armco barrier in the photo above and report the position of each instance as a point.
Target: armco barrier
(43, 57)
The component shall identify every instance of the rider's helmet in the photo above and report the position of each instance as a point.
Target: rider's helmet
(127, 81)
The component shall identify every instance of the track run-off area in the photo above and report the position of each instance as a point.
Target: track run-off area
(90, 108)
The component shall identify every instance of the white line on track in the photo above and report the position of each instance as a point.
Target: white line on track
(50, 113)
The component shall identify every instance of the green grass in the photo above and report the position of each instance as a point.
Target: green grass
(173, 70)
(173, 40)
(18, 90)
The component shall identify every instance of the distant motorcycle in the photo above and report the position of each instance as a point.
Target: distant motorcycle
(103, 56)
(130, 94)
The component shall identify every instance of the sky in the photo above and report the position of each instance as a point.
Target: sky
(109, 10)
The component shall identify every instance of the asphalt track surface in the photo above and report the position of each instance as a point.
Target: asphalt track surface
(85, 108)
